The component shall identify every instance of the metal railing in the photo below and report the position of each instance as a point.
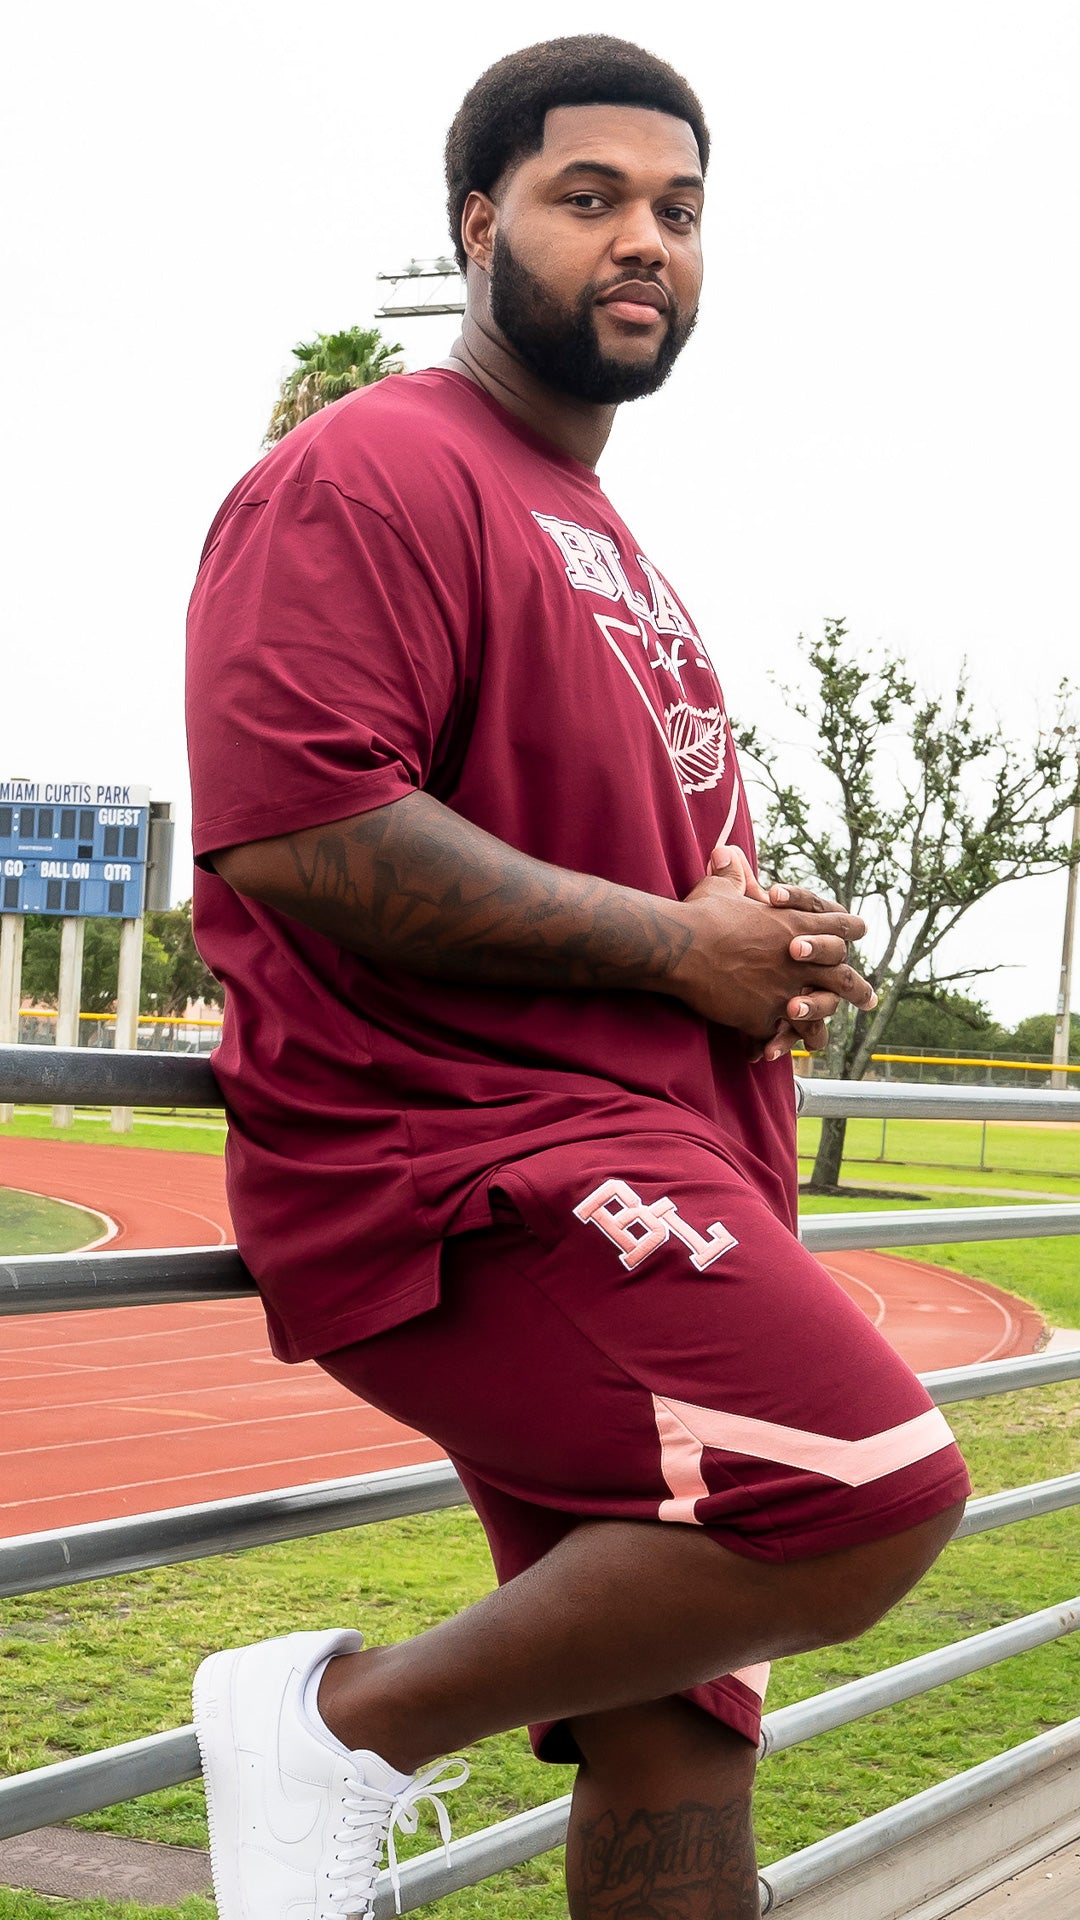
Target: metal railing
(41, 1561)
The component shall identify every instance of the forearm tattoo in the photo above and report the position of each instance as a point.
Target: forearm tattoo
(688, 1862)
(416, 886)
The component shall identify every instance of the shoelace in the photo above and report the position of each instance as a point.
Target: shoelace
(372, 1816)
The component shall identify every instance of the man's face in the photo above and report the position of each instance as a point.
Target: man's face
(596, 267)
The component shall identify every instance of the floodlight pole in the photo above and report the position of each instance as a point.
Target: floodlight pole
(438, 283)
(1063, 1023)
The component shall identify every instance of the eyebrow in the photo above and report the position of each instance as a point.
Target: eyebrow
(617, 174)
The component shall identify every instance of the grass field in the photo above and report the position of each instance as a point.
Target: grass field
(171, 1133)
(954, 1147)
(91, 1666)
(31, 1224)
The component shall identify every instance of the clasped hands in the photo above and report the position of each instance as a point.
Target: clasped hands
(742, 972)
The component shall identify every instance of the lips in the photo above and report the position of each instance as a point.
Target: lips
(637, 293)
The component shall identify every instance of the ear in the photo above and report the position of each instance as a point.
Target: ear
(479, 221)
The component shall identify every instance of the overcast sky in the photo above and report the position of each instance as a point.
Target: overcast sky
(877, 417)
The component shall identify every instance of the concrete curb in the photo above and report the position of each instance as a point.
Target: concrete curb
(102, 1866)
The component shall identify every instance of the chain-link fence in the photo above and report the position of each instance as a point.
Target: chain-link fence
(935, 1067)
(158, 1033)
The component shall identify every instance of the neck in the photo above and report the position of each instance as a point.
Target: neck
(574, 426)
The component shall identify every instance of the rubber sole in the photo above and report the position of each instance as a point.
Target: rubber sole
(212, 1713)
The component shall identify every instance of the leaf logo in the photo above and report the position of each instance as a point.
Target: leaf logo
(698, 741)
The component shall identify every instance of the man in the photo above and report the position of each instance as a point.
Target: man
(512, 1128)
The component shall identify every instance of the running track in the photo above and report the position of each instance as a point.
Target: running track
(113, 1413)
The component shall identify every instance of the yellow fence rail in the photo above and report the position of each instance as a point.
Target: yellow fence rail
(948, 1060)
(145, 1019)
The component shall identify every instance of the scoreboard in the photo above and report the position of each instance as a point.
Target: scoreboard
(73, 847)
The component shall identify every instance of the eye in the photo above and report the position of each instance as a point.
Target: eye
(594, 200)
(682, 216)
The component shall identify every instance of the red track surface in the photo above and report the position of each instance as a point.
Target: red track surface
(111, 1413)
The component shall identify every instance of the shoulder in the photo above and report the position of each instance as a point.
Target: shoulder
(405, 432)
(411, 449)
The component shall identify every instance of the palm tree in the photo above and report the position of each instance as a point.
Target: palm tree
(330, 366)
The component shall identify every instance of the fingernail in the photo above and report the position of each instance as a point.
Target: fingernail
(772, 1053)
(721, 856)
(780, 895)
(803, 949)
(873, 1001)
(802, 1010)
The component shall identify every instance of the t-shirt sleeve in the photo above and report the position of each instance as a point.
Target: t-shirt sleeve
(325, 667)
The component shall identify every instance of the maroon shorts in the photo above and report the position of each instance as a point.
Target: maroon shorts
(640, 1338)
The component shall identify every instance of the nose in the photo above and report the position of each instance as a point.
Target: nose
(640, 238)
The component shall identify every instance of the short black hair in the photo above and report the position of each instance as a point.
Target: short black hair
(501, 118)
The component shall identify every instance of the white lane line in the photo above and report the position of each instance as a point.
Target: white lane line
(215, 1473)
(163, 1392)
(172, 1433)
(855, 1281)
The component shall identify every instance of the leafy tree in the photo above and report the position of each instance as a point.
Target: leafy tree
(189, 978)
(172, 970)
(947, 1022)
(928, 812)
(1035, 1036)
(41, 959)
(330, 366)
(101, 962)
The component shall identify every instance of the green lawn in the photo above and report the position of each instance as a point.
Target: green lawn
(954, 1146)
(31, 1224)
(172, 1133)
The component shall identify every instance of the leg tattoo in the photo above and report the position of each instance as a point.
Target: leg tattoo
(686, 1862)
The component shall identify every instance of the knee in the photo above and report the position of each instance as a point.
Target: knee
(858, 1586)
(665, 1738)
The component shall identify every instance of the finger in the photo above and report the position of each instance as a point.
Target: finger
(781, 1043)
(801, 900)
(789, 1036)
(848, 926)
(811, 1034)
(731, 863)
(823, 950)
(759, 1048)
(848, 985)
(723, 865)
(813, 1007)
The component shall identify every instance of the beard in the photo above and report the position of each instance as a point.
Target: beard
(560, 345)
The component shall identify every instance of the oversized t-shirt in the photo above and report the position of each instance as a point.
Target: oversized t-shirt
(414, 591)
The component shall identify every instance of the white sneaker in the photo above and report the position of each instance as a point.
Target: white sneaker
(298, 1823)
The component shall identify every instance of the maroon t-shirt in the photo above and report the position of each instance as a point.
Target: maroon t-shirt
(414, 591)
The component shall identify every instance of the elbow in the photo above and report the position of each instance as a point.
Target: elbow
(240, 868)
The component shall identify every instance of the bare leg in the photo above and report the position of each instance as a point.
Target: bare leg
(619, 1612)
(661, 1817)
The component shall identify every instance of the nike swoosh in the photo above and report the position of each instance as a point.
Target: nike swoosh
(289, 1819)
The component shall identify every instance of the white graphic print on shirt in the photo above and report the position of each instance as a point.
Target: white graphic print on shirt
(695, 736)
